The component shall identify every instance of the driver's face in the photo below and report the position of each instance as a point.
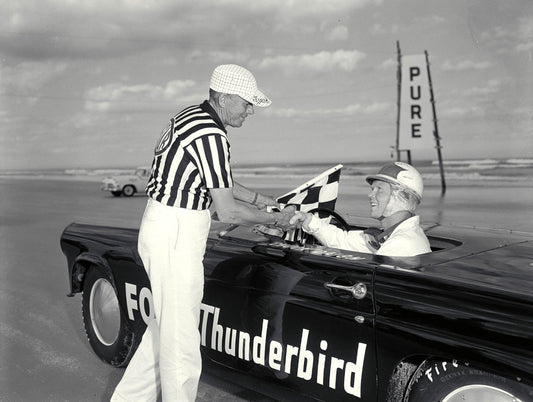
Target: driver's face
(379, 197)
(235, 110)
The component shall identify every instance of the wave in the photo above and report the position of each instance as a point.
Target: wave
(468, 162)
(488, 169)
(523, 161)
(488, 161)
(99, 172)
(477, 177)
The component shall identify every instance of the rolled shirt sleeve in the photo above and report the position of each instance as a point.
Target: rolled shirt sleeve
(213, 160)
(408, 239)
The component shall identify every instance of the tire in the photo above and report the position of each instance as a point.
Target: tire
(444, 381)
(105, 326)
(116, 193)
(128, 190)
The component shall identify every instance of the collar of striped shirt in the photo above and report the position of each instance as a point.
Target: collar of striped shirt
(206, 107)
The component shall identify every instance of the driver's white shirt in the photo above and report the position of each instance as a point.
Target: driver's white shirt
(407, 239)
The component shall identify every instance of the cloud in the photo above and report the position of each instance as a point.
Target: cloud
(465, 65)
(524, 34)
(417, 23)
(216, 56)
(508, 33)
(119, 97)
(387, 64)
(343, 60)
(297, 9)
(94, 29)
(100, 28)
(524, 47)
(523, 111)
(490, 88)
(377, 107)
(524, 30)
(458, 112)
(348, 110)
(389, 29)
(339, 32)
(430, 20)
(29, 75)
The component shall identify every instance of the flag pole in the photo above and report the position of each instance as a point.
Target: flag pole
(398, 102)
(435, 127)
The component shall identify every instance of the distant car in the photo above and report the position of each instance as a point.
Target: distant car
(127, 184)
(300, 321)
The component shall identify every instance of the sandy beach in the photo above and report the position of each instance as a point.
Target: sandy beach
(44, 353)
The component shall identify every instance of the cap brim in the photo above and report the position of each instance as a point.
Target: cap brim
(257, 99)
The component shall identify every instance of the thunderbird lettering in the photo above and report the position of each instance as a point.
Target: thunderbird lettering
(281, 357)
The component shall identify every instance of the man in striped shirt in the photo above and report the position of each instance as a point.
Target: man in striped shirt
(190, 170)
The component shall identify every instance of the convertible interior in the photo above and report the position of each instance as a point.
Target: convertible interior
(297, 239)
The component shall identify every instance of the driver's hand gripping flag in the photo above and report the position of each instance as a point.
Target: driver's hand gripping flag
(319, 192)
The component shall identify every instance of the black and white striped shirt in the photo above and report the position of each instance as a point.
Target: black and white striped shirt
(192, 156)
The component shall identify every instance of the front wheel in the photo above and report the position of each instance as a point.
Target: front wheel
(128, 190)
(444, 381)
(105, 326)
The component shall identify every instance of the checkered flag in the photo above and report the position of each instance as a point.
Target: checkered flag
(320, 192)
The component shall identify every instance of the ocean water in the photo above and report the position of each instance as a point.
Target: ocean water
(512, 169)
(488, 193)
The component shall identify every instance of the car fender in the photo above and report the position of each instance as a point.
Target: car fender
(87, 261)
(84, 262)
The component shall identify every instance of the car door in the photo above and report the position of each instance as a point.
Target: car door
(302, 317)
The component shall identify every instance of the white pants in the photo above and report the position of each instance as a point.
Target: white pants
(171, 245)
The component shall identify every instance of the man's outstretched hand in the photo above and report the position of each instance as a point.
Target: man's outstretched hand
(285, 217)
(264, 201)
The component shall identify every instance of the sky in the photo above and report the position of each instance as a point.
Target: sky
(92, 83)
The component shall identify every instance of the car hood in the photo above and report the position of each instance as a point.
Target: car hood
(123, 178)
(486, 257)
(508, 267)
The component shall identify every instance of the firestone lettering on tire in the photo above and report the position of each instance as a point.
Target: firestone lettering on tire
(438, 369)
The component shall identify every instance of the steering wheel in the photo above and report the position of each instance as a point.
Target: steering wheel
(337, 220)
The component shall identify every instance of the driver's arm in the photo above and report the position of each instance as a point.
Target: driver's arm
(228, 210)
(330, 235)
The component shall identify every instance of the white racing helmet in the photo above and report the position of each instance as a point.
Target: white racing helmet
(401, 174)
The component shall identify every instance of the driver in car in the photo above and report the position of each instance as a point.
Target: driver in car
(395, 193)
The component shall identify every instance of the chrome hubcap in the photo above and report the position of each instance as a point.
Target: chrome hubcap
(480, 393)
(105, 313)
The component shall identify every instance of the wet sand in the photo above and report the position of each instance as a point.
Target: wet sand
(44, 354)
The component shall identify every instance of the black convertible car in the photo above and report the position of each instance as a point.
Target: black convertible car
(300, 321)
